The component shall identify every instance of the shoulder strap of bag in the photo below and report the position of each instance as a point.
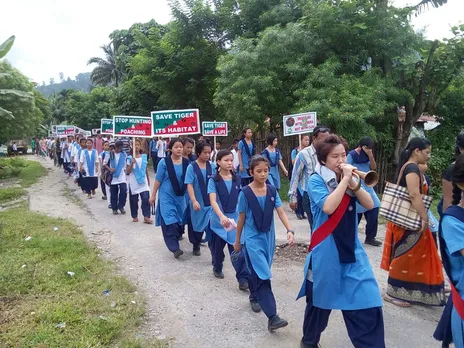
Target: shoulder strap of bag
(400, 175)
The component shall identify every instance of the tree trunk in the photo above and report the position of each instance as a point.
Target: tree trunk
(415, 110)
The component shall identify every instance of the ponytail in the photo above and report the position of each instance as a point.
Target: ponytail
(457, 194)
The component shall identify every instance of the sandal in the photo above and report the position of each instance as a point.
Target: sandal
(149, 221)
(135, 220)
(396, 302)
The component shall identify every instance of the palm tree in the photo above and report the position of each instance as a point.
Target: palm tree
(425, 4)
(57, 107)
(106, 72)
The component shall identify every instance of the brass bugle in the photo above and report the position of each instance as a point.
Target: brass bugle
(371, 178)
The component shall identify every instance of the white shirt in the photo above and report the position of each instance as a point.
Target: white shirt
(83, 161)
(121, 179)
(236, 162)
(75, 153)
(135, 187)
(161, 148)
(15, 148)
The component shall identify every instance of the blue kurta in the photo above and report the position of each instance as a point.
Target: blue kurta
(453, 233)
(345, 286)
(170, 206)
(245, 158)
(364, 167)
(258, 246)
(200, 218)
(274, 175)
(215, 221)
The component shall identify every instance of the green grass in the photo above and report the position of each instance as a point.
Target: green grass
(36, 297)
(284, 187)
(30, 174)
(11, 193)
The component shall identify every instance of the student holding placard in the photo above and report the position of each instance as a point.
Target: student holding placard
(139, 184)
(169, 184)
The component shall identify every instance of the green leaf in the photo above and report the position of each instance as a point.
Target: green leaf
(6, 46)
(360, 26)
(16, 92)
(6, 114)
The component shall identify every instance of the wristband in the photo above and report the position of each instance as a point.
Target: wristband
(291, 231)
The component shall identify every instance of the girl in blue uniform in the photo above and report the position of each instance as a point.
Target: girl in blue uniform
(169, 183)
(273, 155)
(451, 325)
(255, 231)
(246, 150)
(337, 272)
(363, 159)
(223, 190)
(188, 154)
(198, 174)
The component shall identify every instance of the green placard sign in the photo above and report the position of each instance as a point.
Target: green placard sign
(106, 126)
(132, 126)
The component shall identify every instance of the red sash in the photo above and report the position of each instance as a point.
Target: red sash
(329, 226)
(458, 302)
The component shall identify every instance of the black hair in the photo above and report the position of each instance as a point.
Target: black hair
(219, 156)
(244, 132)
(414, 143)
(83, 139)
(219, 142)
(270, 139)
(459, 145)
(106, 141)
(188, 140)
(173, 141)
(200, 146)
(321, 129)
(457, 177)
(256, 160)
(235, 141)
(366, 141)
(324, 148)
(118, 144)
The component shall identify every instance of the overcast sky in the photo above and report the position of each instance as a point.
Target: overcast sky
(54, 36)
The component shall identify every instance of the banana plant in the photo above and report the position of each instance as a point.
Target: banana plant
(4, 48)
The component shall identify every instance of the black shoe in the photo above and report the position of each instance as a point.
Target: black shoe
(115, 212)
(373, 241)
(219, 275)
(276, 323)
(243, 286)
(196, 252)
(299, 217)
(180, 237)
(122, 211)
(203, 241)
(178, 253)
(305, 345)
(255, 307)
(104, 198)
(109, 206)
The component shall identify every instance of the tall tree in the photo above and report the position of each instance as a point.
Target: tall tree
(107, 71)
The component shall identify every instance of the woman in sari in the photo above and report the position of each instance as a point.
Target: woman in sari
(411, 259)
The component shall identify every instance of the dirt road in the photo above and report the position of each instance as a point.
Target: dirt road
(187, 305)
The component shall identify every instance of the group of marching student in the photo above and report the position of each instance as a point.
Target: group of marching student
(210, 198)
(88, 160)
